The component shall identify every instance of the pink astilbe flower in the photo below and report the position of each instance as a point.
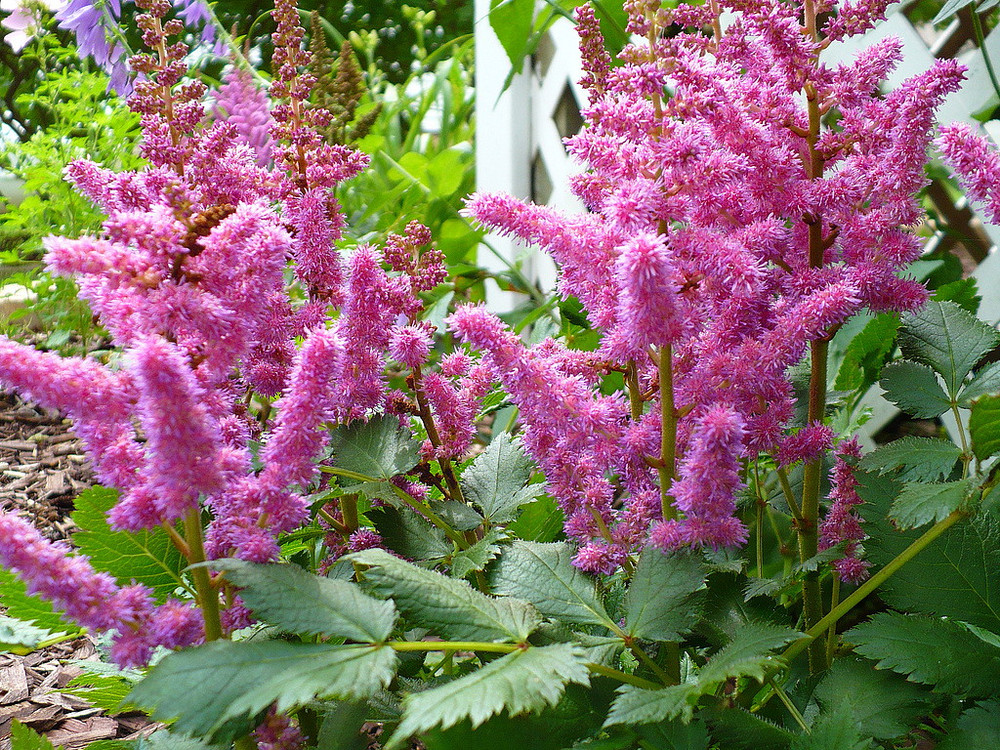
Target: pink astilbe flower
(245, 105)
(842, 524)
(709, 477)
(977, 164)
(729, 227)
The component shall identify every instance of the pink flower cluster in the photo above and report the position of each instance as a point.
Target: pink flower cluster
(188, 276)
(744, 199)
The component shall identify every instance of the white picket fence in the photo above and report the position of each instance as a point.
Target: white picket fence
(519, 146)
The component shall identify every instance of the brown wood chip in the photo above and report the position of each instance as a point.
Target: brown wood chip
(74, 733)
(13, 684)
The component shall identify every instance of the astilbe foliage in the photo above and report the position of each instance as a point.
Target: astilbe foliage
(745, 199)
(188, 276)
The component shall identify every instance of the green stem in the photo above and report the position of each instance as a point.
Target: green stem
(495, 648)
(628, 679)
(871, 584)
(634, 396)
(668, 432)
(977, 30)
(831, 635)
(786, 490)
(792, 709)
(349, 511)
(208, 598)
(966, 453)
(808, 526)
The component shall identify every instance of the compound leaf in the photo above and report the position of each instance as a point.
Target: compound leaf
(495, 480)
(918, 503)
(915, 389)
(378, 448)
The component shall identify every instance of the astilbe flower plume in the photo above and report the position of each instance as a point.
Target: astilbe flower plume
(729, 227)
(189, 277)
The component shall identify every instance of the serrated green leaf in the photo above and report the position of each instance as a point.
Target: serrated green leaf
(544, 575)
(148, 556)
(495, 479)
(236, 681)
(660, 602)
(747, 655)
(20, 636)
(28, 608)
(919, 459)
(102, 685)
(976, 729)
(734, 727)
(303, 603)
(986, 382)
(525, 680)
(948, 339)
(820, 559)
(883, 704)
(833, 730)
(954, 577)
(915, 389)
(635, 705)
(409, 534)
(377, 448)
(25, 738)
(919, 504)
(931, 650)
(450, 607)
(984, 427)
(479, 555)
(340, 727)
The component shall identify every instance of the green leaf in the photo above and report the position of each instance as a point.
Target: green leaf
(948, 339)
(919, 504)
(963, 292)
(635, 705)
(931, 650)
(883, 704)
(459, 516)
(920, 459)
(147, 556)
(984, 427)
(166, 740)
(103, 685)
(526, 680)
(675, 735)
(833, 730)
(237, 681)
(734, 727)
(915, 389)
(949, 9)
(408, 533)
(495, 479)
(341, 727)
(867, 353)
(306, 604)
(986, 382)
(954, 577)
(659, 601)
(747, 655)
(377, 448)
(512, 22)
(28, 608)
(24, 738)
(976, 729)
(479, 555)
(450, 607)
(19, 636)
(544, 575)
